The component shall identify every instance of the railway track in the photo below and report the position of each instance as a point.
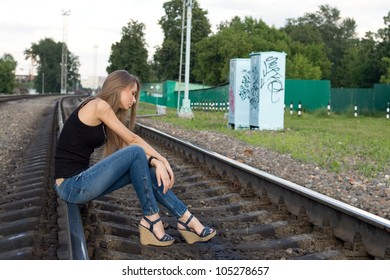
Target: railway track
(257, 215)
(28, 219)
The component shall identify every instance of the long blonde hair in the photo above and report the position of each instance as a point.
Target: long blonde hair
(112, 86)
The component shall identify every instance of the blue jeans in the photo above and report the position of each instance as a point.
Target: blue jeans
(126, 166)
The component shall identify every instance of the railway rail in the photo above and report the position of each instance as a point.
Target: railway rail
(257, 215)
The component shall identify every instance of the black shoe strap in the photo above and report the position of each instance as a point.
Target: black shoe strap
(185, 224)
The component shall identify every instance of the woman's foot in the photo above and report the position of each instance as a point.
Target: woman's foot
(158, 227)
(152, 232)
(192, 230)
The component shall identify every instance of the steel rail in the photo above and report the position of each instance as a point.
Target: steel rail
(74, 231)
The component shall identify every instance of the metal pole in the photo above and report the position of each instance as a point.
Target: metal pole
(185, 111)
(95, 76)
(43, 83)
(181, 55)
(64, 61)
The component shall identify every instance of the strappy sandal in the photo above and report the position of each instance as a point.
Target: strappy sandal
(191, 236)
(147, 236)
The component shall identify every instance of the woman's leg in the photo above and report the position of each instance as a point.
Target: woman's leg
(128, 165)
(175, 206)
(169, 200)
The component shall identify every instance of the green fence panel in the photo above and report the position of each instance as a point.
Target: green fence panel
(363, 98)
(215, 98)
(166, 93)
(214, 94)
(344, 99)
(169, 90)
(381, 96)
(367, 100)
(341, 99)
(153, 93)
(312, 94)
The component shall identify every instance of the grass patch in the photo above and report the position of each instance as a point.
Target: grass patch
(146, 109)
(336, 142)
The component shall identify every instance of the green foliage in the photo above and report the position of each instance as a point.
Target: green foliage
(130, 52)
(7, 73)
(367, 63)
(300, 67)
(306, 41)
(326, 26)
(386, 77)
(305, 33)
(234, 39)
(48, 55)
(384, 36)
(73, 73)
(167, 57)
(165, 62)
(214, 53)
(319, 45)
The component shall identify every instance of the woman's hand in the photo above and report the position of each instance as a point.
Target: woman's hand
(164, 174)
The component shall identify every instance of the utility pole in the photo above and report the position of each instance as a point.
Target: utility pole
(185, 111)
(95, 76)
(43, 83)
(64, 60)
(181, 55)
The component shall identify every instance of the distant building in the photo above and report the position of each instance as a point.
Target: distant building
(23, 79)
(91, 81)
(23, 84)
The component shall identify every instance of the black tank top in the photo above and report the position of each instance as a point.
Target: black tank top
(76, 144)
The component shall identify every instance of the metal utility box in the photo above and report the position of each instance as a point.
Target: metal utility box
(239, 92)
(267, 90)
(161, 110)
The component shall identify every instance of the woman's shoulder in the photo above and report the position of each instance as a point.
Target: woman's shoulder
(101, 105)
(90, 110)
(102, 109)
(96, 103)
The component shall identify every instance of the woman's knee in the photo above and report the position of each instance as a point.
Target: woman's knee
(136, 150)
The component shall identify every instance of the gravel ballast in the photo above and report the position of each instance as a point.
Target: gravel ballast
(18, 120)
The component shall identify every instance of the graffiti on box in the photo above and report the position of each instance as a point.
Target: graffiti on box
(245, 85)
(272, 79)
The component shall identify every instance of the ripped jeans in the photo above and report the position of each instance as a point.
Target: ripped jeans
(126, 166)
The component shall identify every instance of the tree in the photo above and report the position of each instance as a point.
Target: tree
(365, 62)
(359, 66)
(304, 33)
(237, 38)
(167, 57)
(306, 40)
(73, 81)
(386, 77)
(130, 53)
(383, 47)
(48, 53)
(7, 73)
(337, 34)
(215, 52)
(300, 67)
(351, 68)
(384, 33)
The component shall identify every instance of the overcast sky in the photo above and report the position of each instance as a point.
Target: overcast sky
(93, 26)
